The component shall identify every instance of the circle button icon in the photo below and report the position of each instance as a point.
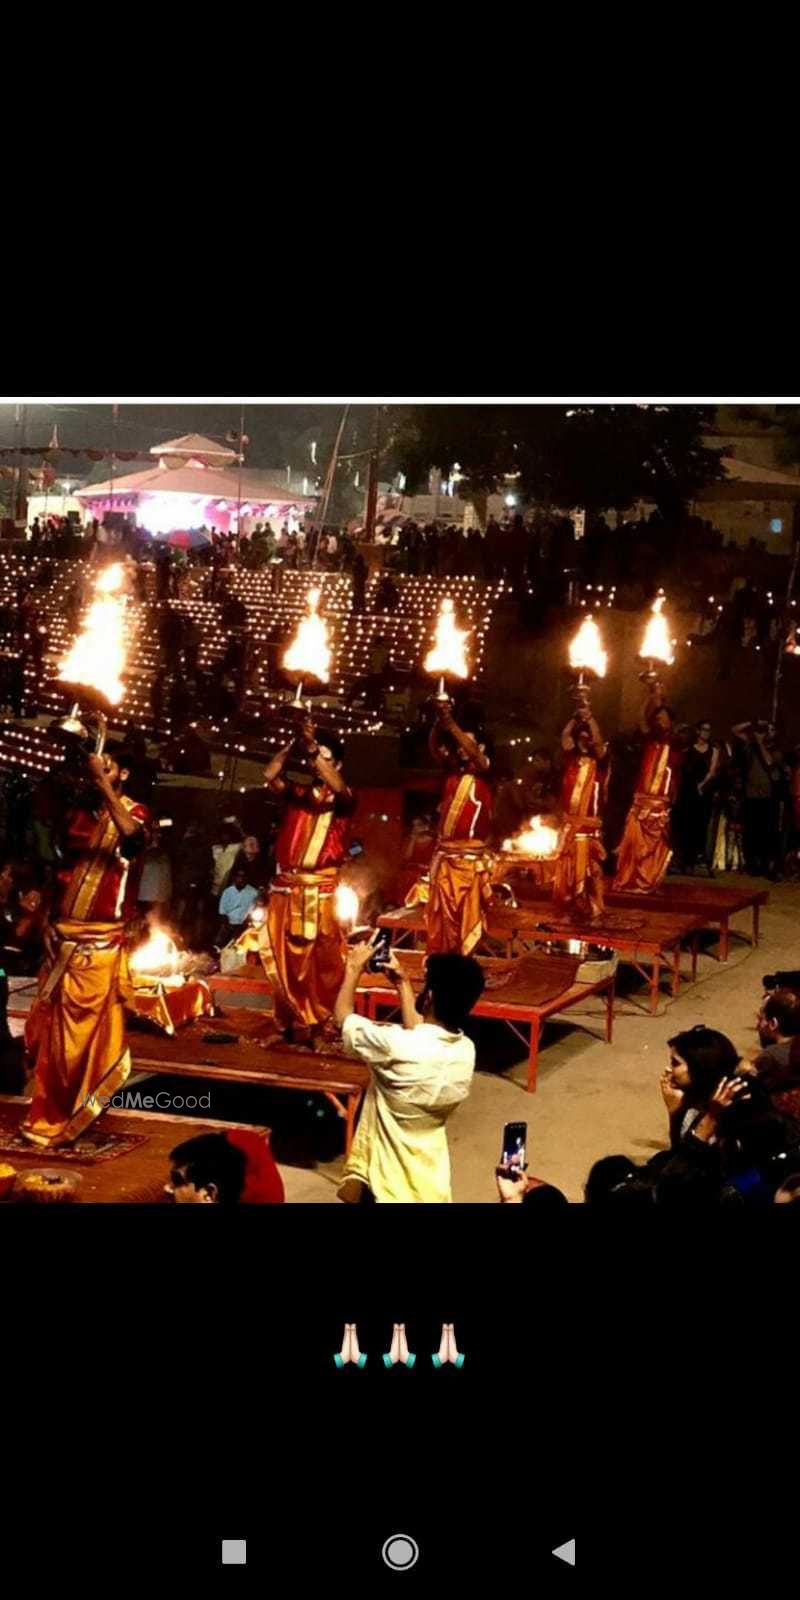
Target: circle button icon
(400, 1552)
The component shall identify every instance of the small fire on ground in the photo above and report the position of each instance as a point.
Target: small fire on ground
(538, 840)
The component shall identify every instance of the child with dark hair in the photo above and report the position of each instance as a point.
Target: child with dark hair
(232, 1168)
(421, 1070)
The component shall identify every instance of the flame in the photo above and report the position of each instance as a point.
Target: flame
(159, 954)
(111, 580)
(97, 656)
(449, 652)
(656, 644)
(536, 840)
(586, 651)
(257, 916)
(346, 903)
(309, 652)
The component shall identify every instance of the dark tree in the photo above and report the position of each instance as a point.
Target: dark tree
(593, 456)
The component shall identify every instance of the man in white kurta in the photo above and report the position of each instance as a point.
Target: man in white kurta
(421, 1070)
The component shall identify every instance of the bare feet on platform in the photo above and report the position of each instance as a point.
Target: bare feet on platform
(268, 1040)
(323, 1041)
(327, 1042)
(272, 1038)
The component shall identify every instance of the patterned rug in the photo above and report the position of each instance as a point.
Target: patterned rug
(92, 1147)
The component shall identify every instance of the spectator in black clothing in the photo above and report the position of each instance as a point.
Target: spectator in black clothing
(763, 780)
(162, 560)
(700, 1058)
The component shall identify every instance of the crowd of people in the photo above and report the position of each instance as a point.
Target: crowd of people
(737, 805)
(729, 586)
(734, 803)
(733, 1124)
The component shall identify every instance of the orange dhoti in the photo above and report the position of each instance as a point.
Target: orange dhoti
(578, 879)
(302, 948)
(76, 1032)
(645, 852)
(460, 894)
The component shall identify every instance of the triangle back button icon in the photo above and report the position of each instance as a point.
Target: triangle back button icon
(566, 1552)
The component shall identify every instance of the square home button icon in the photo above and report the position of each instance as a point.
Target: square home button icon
(234, 1552)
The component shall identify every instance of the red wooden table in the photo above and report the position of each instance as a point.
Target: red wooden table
(538, 987)
(642, 936)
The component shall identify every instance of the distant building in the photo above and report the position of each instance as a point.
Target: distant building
(195, 482)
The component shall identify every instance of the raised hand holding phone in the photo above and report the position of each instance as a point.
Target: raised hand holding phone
(513, 1158)
(381, 943)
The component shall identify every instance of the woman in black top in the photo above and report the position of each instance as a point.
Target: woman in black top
(692, 815)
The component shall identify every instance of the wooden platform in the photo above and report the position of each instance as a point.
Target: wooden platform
(525, 991)
(641, 936)
(135, 1177)
(714, 902)
(341, 1079)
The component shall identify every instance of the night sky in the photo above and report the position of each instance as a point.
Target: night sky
(279, 435)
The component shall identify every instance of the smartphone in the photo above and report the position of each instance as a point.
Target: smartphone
(515, 1140)
(382, 944)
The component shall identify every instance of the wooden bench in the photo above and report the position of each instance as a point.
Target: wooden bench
(713, 902)
(537, 988)
(341, 1079)
(652, 937)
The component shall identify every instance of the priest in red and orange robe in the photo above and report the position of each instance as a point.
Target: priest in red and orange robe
(578, 880)
(301, 944)
(461, 870)
(645, 851)
(75, 1034)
